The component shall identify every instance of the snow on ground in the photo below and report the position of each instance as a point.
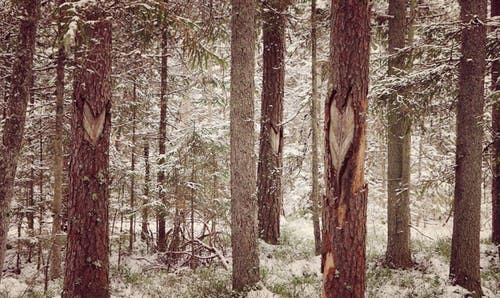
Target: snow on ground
(289, 269)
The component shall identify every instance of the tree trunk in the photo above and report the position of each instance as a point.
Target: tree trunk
(343, 260)
(145, 208)
(41, 209)
(162, 237)
(398, 149)
(30, 206)
(271, 129)
(87, 251)
(132, 179)
(13, 130)
(495, 86)
(465, 254)
(315, 136)
(244, 231)
(55, 255)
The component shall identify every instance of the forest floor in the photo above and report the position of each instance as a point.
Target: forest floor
(291, 269)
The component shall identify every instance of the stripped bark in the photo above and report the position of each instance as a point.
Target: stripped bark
(269, 171)
(87, 250)
(343, 260)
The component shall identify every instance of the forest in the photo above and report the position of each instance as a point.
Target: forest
(249, 148)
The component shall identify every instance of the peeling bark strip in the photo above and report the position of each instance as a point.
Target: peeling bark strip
(13, 130)
(87, 250)
(93, 123)
(344, 212)
(341, 133)
(344, 266)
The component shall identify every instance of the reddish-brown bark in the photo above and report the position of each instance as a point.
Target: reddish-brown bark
(344, 229)
(465, 253)
(271, 129)
(13, 130)
(398, 149)
(162, 237)
(495, 188)
(87, 252)
(145, 208)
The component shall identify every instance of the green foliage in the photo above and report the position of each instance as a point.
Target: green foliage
(443, 247)
(210, 284)
(37, 294)
(134, 278)
(377, 276)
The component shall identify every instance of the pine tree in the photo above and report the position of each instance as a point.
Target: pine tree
(87, 250)
(162, 237)
(343, 261)
(242, 139)
(495, 188)
(269, 171)
(465, 254)
(398, 148)
(55, 260)
(315, 200)
(17, 101)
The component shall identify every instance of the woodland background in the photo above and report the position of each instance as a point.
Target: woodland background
(196, 157)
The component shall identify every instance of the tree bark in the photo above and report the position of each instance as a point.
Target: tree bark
(315, 135)
(465, 254)
(13, 130)
(55, 255)
(398, 149)
(131, 238)
(145, 208)
(270, 165)
(244, 231)
(495, 86)
(162, 237)
(343, 260)
(87, 251)
(30, 206)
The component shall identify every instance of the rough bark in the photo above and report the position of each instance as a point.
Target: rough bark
(398, 149)
(495, 86)
(465, 254)
(244, 230)
(55, 254)
(343, 260)
(145, 208)
(315, 135)
(87, 250)
(30, 204)
(162, 237)
(131, 231)
(13, 130)
(270, 165)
